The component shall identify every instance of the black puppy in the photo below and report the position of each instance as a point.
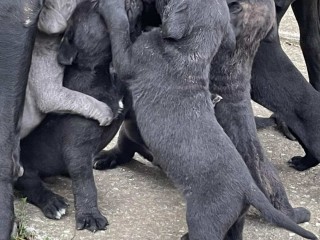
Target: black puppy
(65, 144)
(167, 73)
(18, 27)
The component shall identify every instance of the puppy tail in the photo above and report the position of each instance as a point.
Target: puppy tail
(257, 199)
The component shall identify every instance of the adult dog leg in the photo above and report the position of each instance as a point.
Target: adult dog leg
(16, 42)
(308, 17)
(279, 86)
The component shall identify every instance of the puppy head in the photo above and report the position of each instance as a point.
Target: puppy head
(86, 38)
(195, 19)
(252, 20)
(55, 14)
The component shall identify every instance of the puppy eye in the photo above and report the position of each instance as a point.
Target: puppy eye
(235, 7)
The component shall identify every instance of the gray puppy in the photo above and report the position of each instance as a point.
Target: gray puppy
(167, 73)
(45, 92)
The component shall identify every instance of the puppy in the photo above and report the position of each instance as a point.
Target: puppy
(45, 92)
(65, 144)
(167, 74)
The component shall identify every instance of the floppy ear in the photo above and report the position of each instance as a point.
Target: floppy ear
(51, 21)
(235, 9)
(273, 33)
(231, 39)
(175, 23)
(67, 52)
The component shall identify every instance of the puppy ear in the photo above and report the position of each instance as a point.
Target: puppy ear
(273, 33)
(230, 39)
(175, 20)
(67, 52)
(235, 9)
(51, 21)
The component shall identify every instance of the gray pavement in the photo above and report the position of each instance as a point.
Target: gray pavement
(141, 203)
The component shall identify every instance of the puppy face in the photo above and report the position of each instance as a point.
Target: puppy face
(55, 14)
(252, 20)
(86, 35)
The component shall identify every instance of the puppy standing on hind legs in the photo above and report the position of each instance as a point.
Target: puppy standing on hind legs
(170, 95)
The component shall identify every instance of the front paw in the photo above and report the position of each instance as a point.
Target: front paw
(55, 207)
(103, 114)
(93, 221)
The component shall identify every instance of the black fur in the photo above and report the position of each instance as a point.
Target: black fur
(167, 73)
(18, 28)
(308, 17)
(279, 86)
(230, 78)
(239, 125)
(65, 144)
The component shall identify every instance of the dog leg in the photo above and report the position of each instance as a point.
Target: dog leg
(290, 96)
(235, 232)
(263, 123)
(129, 142)
(64, 100)
(308, 17)
(31, 186)
(18, 30)
(79, 164)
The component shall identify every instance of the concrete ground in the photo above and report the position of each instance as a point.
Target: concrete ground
(142, 204)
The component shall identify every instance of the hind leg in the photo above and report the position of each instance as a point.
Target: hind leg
(202, 217)
(235, 232)
(79, 164)
(129, 142)
(30, 185)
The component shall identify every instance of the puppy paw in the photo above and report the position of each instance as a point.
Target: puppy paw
(301, 215)
(93, 221)
(108, 160)
(302, 163)
(103, 114)
(55, 207)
